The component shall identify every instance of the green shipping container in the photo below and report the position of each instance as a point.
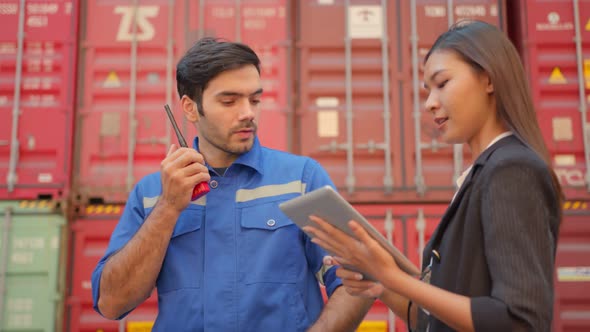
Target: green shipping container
(30, 277)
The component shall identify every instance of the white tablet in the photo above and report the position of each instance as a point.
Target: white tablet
(327, 204)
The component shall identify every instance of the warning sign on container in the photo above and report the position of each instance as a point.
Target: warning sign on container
(112, 81)
(365, 22)
(557, 77)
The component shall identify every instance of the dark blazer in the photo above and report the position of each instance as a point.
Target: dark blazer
(497, 241)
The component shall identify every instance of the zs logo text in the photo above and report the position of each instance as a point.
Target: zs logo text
(144, 29)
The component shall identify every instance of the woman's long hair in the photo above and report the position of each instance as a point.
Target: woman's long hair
(488, 50)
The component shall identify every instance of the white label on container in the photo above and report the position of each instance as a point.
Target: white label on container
(7, 48)
(565, 160)
(47, 64)
(20, 304)
(470, 11)
(31, 142)
(49, 48)
(570, 177)
(562, 129)
(42, 8)
(34, 65)
(554, 24)
(37, 21)
(20, 320)
(86, 284)
(257, 18)
(269, 12)
(22, 258)
(29, 243)
(494, 10)
(327, 102)
(44, 177)
(223, 12)
(328, 123)
(577, 273)
(435, 11)
(325, 2)
(8, 8)
(144, 30)
(48, 100)
(365, 22)
(54, 242)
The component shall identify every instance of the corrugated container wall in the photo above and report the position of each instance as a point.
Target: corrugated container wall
(554, 39)
(90, 233)
(37, 85)
(572, 296)
(31, 277)
(127, 74)
(358, 113)
(408, 227)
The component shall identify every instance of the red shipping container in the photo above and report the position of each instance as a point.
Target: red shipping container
(411, 226)
(90, 236)
(554, 38)
(572, 295)
(408, 227)
(37, 87)
(361, 110)
(129, 74)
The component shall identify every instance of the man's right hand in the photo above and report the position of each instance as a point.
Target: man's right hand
(181, 171)
(129, 275)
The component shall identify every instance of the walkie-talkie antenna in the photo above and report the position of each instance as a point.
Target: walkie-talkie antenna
(201, 188)
(181, 140)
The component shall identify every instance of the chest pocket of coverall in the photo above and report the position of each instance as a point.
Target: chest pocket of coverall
(183, 263)
(270, 245)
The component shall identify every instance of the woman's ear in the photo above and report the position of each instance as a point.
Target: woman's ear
(189, 108)
(489, 84)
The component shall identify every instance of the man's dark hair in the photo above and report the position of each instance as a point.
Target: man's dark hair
(208, 58)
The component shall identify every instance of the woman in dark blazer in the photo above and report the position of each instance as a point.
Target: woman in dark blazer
(489, 265)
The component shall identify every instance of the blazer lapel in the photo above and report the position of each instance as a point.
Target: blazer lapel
(450, 212)
(477, 165)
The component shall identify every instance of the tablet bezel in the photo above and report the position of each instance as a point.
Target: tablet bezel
(327, 204)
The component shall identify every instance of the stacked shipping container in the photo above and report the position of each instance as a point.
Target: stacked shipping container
(554, 38)
(37, 87)
(360, 98)
(348, 96)
(126, 77)
(359, 117)
(31, 278)
(90, 235)
(38, 46)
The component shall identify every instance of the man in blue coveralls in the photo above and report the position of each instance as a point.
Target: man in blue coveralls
(230, 260)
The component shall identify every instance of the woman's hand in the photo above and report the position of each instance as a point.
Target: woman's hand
(361, 253)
